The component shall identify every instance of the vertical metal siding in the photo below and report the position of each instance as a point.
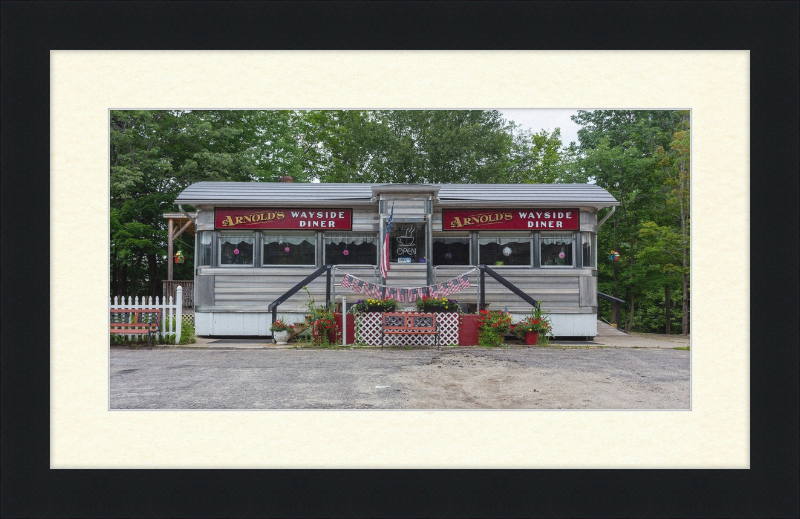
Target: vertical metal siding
(588, 287)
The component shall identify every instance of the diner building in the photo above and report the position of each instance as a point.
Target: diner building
(255, 241)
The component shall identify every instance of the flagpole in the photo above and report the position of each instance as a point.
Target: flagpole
(381, 244)
(385, 252)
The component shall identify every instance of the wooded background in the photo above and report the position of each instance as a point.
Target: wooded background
(642, 157)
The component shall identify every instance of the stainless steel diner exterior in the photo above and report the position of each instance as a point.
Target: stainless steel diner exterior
(540, 237)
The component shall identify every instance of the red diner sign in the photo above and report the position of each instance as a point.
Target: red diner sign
(510, 219)
(283, 219)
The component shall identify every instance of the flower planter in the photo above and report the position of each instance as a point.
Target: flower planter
(351, 327)
(438, 310)
(318, 336)
(281, 337)
(468, 331)
(374, 309)
(531, 338)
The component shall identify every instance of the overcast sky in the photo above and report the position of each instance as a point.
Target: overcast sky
(538, 119)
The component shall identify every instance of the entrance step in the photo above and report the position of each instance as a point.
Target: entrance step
(604, 329)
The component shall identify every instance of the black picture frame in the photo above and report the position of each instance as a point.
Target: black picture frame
(769, 30)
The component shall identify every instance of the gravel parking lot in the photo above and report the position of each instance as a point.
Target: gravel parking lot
(470, 378)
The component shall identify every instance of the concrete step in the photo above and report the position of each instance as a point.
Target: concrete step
(604, 329)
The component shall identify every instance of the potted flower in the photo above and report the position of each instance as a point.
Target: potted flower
(323, 328)
(281, 331)
(532, 327)
(386, 304)
(492, 327)
(437, 304)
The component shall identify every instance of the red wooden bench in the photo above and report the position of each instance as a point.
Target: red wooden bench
(409, 323)
(130, 321)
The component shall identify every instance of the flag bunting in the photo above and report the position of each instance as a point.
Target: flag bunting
(409, 294)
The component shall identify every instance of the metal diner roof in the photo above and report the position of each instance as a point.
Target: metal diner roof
(296, 193)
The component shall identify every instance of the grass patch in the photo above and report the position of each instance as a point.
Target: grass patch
(684, 348)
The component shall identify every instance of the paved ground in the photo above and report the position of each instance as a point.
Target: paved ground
(612, 372)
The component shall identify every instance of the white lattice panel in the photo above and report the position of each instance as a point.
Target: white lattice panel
(369, 331)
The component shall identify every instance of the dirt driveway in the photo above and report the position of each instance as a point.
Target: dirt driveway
(472, 378)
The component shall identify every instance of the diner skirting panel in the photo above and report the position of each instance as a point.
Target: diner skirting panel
(369, 331)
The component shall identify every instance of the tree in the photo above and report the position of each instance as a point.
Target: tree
(619, 150)
(155, 154)
(414, 146)
(662, 249)
(537, 158)
(675, 167)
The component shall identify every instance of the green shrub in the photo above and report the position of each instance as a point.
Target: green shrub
(492, 327)
(188, 335)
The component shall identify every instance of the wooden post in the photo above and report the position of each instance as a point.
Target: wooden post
(178, 313)
(170, 259)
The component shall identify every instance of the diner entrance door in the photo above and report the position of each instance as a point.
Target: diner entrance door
(408, 243)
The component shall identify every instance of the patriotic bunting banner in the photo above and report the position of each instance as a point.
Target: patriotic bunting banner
(454, 287)
(406, 295)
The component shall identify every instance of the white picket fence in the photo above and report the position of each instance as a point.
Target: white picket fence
(170, 316)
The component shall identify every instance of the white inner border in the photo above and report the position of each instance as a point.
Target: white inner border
(86, 84)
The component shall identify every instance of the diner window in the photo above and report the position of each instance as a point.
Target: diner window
(407, 242)
(236, 249)
(356, 248)
(555, 249)
(588, 245)
(504, 249)
(451, 250)
(204, 239)
(289, 248)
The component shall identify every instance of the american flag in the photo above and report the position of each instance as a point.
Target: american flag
(463, 282)
(358, 285)
(444, 289)
(454, 286)
(386, 249)
(347, 281)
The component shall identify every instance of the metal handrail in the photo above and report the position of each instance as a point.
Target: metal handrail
(338, 268)
(273, 306)
(610, 298)
(616, 303)
(506, 283)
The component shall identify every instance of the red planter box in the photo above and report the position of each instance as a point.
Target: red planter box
(351, 327)
(468, 331)
(531, 338)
